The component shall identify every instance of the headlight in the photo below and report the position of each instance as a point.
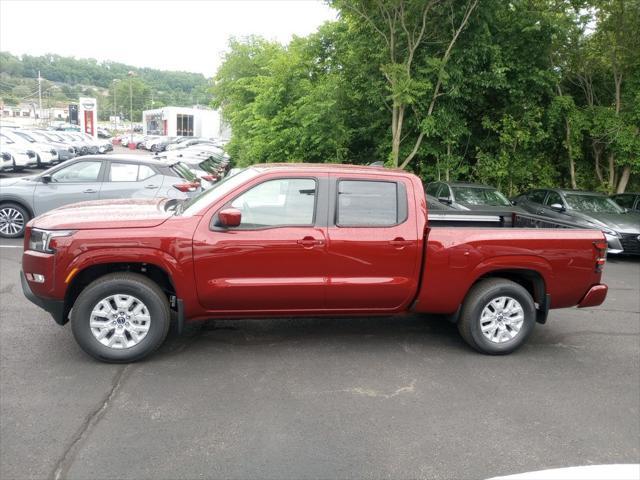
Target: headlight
(40, 239)
(611, 232)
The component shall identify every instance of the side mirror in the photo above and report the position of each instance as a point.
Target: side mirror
(446, 200)
(46, 178)
(230, 217)
(513, 202)
(556, 207)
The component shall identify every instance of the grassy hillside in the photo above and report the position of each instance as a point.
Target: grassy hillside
(67, 78)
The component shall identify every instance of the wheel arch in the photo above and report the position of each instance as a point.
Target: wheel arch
(531, 280)
(19, 201)
(82, 278)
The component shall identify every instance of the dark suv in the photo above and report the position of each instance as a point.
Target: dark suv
(588, 209)
(469, 196)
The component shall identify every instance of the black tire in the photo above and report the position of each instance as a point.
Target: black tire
(478, 298)
(7, 207)
(132, 284)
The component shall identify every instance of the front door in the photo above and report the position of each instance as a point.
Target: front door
(275, 260)
(374, 245)
(75, 182)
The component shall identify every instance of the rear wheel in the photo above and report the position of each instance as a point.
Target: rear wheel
(497, 316)
(13, 219)
(121, 317)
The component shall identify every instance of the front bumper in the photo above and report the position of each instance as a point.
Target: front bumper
(613, 244)
(594, 297)
(54, 307)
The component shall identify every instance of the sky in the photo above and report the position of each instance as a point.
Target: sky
(166, 34)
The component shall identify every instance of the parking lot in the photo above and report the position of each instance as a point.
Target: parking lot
(399, 397)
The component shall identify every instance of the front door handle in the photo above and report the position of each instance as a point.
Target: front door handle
(540, 212)
(150, 186)
(400, 242)
(309, 242)
(90, 190)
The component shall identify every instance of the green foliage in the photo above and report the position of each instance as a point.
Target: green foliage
(532, 91)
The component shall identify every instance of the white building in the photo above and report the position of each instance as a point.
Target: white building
(184, 121)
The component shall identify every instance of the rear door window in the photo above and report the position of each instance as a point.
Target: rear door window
(537, 196)
(370, 203)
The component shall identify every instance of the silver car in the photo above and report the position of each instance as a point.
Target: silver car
(90, 178)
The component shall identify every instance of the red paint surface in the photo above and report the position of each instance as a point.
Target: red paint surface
(322, 269)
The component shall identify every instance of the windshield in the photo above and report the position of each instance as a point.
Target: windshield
(592, 204)
(6, 139)
(219, 190)
(480, 196)
(184, 171)
(25, 136)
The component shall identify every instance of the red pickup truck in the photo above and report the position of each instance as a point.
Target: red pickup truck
(294, 240)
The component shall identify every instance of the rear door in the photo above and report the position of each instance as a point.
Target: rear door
(130, 180)
(74, 182)
(374, 245)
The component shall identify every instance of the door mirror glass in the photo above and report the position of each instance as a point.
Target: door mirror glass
(557, 207)
(46, 178)
(230, 217)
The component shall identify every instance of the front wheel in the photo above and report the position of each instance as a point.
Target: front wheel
(497, 316)
(121, 318)
(13, 220)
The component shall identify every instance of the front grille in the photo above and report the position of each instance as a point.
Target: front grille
(630, 243)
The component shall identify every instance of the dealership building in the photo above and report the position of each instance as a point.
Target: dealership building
(184, 122)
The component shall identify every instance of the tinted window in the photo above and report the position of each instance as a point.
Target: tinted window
(592, 203)
(479, 196)
(625, 201)
(123, 172)
(553, 197)
(537, 196)
(367, 203)
(286, 201)
(432, 189)
(86, 171)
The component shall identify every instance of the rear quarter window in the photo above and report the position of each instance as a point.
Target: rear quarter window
(370, 203)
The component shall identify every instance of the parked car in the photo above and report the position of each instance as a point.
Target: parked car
(45, 153)
(470, 196)
(104, 133)
(629, 200)
(434, 204)
(91, 178)
(297, 240)
(190, 141)
(589, 209)
(159, 144)
(82, 146)
(65, 152)
(16, 158)
(102, 146)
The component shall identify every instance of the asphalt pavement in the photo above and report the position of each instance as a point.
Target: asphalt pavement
(398, 397)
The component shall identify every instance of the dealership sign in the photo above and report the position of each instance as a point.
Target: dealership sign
(88, 116)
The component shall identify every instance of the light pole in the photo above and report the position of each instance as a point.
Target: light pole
(131, 74)
(115, 104)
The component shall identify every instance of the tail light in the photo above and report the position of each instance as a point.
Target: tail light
(601, 254)
(210, 178)
(187, 187)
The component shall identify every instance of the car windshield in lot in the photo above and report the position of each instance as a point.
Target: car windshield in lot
(479, 196)
(219, 190)
(592, 203)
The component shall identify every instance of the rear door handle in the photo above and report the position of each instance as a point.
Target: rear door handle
(400, 242)
(309, 242)
(90, 190)
(150, 186)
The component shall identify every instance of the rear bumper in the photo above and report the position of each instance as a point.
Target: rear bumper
(594, 297)
(54, 307)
